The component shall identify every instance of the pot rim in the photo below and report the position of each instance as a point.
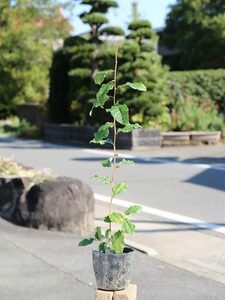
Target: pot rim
(131, 250)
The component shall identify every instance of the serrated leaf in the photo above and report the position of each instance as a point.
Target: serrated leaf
(103, 179)
(102, 247)
(117, 218)
(86, 242)
(120, 113)
(128, 226)
(129, 127)
(133, 209)
(119, 188)
(100, 76)
(98, 233)
(117, 243)
(107, 219)
(102, 94)
(137, 86)
(126, 162)
(107, 163)
(102, 133)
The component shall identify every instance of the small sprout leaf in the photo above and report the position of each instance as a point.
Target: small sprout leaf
(126, 162)
(129, 127)
(100, 76)
(102, 95)
(100, 137)
(107, 163)
(117, 243)
(102, 247)
(107, 219)
(137, 86)
(128, 226)
(103, 179)
(117, 218)
(120, 112)
(86, 242)
(135, 209)
(119, 188)
(98, 234)
(107, 234)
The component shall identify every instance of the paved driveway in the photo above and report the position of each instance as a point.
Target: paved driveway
(183, 225)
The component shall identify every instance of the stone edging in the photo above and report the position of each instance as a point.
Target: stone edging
(139, 138)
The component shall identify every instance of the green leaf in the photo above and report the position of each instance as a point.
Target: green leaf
(107, 219)
(120, 112)
(133, 209)
(119, 188)
(98, 233)
(126, 162)
(103, 179)
(102, 95)
(102, 133)
(100, 76)
(102, 247)
(107, 234)
(128, 226)
(117, 243)
(129, 128)
(107, 163)
(137, 86)
(117, 218)
(86, 242)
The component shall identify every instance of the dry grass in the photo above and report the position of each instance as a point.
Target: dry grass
(9, 167)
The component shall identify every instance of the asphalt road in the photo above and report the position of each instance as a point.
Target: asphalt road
(178, 183)
(189, 181)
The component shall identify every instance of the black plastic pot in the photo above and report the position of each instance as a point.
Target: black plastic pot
(112, 271)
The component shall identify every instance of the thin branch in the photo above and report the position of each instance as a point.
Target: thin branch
(114, 137)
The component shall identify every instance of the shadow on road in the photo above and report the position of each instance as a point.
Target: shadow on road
(210, 178)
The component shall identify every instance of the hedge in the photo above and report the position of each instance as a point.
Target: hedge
(200, 85)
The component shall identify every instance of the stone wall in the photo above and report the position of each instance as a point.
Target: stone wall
(75, 135)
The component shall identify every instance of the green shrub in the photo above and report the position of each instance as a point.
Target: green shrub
(197, 117)
(199, 85)
(14, 126)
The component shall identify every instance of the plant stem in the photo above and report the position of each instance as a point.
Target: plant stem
(114, 138)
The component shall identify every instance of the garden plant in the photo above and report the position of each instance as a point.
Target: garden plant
(111, 241)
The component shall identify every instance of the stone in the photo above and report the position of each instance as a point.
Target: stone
(130, 293)
(64, 204)
(12, 194)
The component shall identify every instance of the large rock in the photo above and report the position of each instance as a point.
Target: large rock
(64, 204)
(12, 193)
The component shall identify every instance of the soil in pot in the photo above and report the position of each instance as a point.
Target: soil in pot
(112, 271)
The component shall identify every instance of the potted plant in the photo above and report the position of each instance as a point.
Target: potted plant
(112, 261)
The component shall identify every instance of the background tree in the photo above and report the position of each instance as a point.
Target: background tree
(197, 29)
(89, 52)
(29, 30)
(140, 62)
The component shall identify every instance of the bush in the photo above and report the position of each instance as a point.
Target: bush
(199, 85)
(15, 126)
(197, 117)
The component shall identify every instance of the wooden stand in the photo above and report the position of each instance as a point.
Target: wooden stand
(129, 293)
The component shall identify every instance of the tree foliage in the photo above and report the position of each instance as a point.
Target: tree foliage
(87, 54)
(197, 29)
(140, 62)
(197, 99)
(29, 30)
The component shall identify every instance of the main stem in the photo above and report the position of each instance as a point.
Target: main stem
(114, 138)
